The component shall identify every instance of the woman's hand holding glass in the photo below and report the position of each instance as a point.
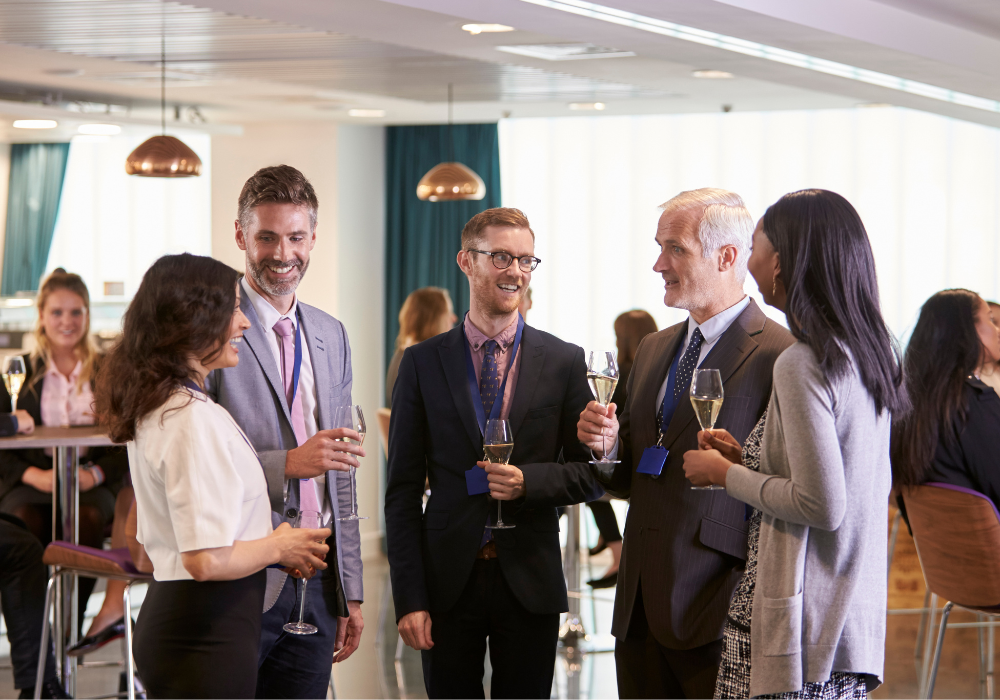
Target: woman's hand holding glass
(301, 549)
(717, 452)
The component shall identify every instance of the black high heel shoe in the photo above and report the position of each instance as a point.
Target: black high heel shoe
(93, 642)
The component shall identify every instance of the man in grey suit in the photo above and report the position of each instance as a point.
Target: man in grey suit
(684, 549)
(283, 394)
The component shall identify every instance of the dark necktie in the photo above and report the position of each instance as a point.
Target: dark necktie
(685, 369)
(489, 377)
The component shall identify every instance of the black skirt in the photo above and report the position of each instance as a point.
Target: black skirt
(200, 640)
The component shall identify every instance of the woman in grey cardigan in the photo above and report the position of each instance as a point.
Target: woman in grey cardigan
(815, 587)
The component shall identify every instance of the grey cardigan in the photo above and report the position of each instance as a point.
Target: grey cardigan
(823, 489)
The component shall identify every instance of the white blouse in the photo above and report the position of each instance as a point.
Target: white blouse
(198, 482)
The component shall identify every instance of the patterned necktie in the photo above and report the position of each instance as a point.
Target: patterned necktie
(308, 499)
(685, 369)
(489, 377)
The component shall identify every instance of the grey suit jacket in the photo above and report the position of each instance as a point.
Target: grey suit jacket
(687, 547)
(254, 395)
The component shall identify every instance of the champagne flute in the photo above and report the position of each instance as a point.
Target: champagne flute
(602, 376)
(706, 397)
(13, 377)
(353, 418)
(310, 519)
(498, 444)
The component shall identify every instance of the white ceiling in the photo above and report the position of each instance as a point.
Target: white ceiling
(242, 60)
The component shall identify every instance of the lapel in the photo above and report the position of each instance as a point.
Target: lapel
(647, 384)
(452, 353)
(732, 350)
(320, 361)
(532, 352)
(255, 338)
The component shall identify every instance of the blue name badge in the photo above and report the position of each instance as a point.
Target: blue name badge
(653, 459)
(476, 481)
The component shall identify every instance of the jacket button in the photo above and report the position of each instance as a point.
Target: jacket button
(291, 513)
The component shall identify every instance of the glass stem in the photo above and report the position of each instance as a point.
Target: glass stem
(302, 605)
(354, 494)
(499, 517)
(13, 402)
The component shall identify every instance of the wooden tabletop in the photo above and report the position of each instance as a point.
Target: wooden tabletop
(45, 436)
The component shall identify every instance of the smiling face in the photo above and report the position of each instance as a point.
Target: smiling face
(989, 334)
(64, 319)
(230, 354)
(496, 293)
(277, 242)
(689, 278)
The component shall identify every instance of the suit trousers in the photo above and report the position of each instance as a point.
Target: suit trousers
(647, 669)
(297, 665)
(522, 644)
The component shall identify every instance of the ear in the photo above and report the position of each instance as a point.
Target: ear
(464, 262)
(241, 239)
(727, 257)
(312, 240)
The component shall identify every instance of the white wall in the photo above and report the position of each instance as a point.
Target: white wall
(346, 270)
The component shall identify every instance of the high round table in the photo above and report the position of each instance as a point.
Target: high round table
(65, 444)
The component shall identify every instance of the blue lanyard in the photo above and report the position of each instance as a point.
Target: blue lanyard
(298, 356)
(477, 399)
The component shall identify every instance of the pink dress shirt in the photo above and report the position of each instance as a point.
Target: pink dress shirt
(62, 402)
(505, 339)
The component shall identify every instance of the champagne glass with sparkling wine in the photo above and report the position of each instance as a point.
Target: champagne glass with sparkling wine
(310, 519)
(602, 376)
(13, 377)
(706, 397)
(498, 444)
(351, 417)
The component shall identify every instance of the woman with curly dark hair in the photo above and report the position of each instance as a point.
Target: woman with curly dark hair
(204, 517)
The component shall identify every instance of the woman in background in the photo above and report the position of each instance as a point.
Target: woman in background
(426, 313)
(203, 513)
(990, 371)
(58, 391)
(808, 617)
(630, 328)
(950, 436)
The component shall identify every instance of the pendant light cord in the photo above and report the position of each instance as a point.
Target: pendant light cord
(163, 67)
(451, 140)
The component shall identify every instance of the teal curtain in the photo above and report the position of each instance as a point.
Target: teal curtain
(37, 171)
(422, 238)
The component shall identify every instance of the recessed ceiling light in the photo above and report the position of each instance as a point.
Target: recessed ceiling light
(587, 106)
(35, 124)
(873, 105)
(564, 52)
(486, 28)
(763, 51)
(712, 74)
(99, 129)
(371, 113)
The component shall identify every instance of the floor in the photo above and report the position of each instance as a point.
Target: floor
(373, 671)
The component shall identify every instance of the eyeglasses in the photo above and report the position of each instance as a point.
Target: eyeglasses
(503, 259)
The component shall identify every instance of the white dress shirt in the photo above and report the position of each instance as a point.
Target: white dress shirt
(711, 331)
(268, 316)
(198, 482)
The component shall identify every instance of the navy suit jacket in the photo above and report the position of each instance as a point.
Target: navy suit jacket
(434, 434)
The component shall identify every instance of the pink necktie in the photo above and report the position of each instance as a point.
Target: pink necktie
(286, 334)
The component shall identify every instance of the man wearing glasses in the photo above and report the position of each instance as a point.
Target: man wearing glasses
(456, 583)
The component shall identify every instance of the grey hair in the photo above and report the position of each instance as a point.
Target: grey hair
(725, 220)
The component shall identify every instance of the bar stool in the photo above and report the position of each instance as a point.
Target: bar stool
(68, 558)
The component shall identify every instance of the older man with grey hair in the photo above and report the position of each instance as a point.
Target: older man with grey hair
(684, 549)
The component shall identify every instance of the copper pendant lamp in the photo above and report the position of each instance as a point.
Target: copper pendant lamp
(163, 156)
(450, 181)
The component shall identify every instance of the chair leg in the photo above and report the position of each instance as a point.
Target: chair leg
(893, 534)
(923, 624)
(990, 651)
(129, 665)
(981, 633)
(937, 650)
(925, 665)
(43, 650)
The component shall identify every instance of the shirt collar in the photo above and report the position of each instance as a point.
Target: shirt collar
(267, 314)
(73, 376)
(476, 337)
(714, 327)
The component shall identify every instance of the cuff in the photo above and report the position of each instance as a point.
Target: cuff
(612, 453)
(745, 485)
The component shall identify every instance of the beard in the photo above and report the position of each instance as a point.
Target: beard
(696, 294)
(257, 273)
(486, 296)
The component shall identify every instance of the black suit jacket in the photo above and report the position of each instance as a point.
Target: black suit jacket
(687, 547)
(113, 461)
(434, 434)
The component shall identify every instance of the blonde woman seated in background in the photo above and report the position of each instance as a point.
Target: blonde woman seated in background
(426, 313)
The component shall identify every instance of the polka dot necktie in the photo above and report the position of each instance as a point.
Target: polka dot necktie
(685, 369)
(489, 377)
